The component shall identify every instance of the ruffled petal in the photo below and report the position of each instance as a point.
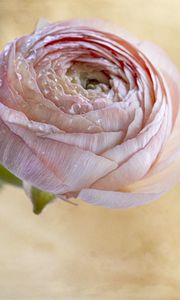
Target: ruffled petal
(95, 142)
(168, 71)
(121, 153)
(106, 26)
(41, 24)
(19, 91)
(159, 182)
(49, 165)
(111, 118)
(137, 165)
(170, 153)
(136, 125)
(112, 199)
(55, 123)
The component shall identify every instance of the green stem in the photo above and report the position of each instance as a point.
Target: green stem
(8, 177)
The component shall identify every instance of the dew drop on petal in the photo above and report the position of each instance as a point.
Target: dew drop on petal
(41, 127)
(30, 126)
(74, 108)
(19, 76)
(90, 127)
(98, 121)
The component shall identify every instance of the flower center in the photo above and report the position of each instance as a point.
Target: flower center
(89, 78)
(91, 84)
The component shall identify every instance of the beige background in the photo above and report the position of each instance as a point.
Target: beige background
(90, 252)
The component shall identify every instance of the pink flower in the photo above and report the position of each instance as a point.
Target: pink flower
(88, 111)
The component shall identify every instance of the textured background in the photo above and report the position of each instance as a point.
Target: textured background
(90, 252)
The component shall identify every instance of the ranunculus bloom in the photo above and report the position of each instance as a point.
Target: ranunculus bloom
(88, 111)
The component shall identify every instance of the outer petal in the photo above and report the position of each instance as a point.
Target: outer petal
(170, 154)
(169, 72)
(124, 151)
(159, 182)
(107, 27)
(171, 80)
(95, 24)
(50, 165)
(94, 142)
(42, 23)
(136, 125)
(112, 199)
(112, 118)
(136, 166)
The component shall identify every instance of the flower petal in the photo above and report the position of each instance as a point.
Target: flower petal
(24, 95)
(95, 142)
(168, 71)
(136, 125)
(41, 24)
(137, 165)
(49, 165)
(111, 118)
(112, 199)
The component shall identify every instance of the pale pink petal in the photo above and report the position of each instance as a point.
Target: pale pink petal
(22, 161)
(171, 80)
(169, 72)
(41, 24)
(113, 199)
(125, 150)
(136, 125)
(104, 26)
(111, 118)
(159, 182)
(95, 142)
(136, 166)
(53, 137)
(24, 95)
(44, 162)
(171, 151)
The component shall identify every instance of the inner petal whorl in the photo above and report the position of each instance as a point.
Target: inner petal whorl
(82, 74)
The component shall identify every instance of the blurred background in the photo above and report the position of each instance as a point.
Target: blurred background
(89, 252)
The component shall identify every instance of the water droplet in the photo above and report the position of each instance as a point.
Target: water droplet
(41, 127)
(48, 39)
(19, 76)
(90, 127)
(30, 126)
(46, 91)
(1, 82)
(75, 108)
(71, 110)
(6, 49)
(98, 121)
